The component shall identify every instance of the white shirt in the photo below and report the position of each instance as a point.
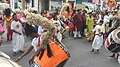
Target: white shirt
(106, 19)
(57, 21)
(22, 20)
(99, 20)
(98, 29)
(35, 43)
(40, 30)
(17, 26)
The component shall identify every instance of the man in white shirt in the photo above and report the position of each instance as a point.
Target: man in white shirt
(18, 38)
(37, 39)
(98, 39)
(106, 22)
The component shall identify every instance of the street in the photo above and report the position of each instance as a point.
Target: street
(79, 50)
(96, 18)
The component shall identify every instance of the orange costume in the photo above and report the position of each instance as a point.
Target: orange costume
(111, 3)
(66, 10)
(59, 57)
(8, 24)
(8, 21)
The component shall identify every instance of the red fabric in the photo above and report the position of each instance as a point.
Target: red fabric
(65, 25)
(107, 42)
(78, 22)
(39, 40)
(71, 26)
(19, 16)
(50, 17)
(21, 22)
(9, 33)
(8, 1)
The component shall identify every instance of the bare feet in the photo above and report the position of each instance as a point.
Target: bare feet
(14, 54)
(113, 55)
(117, 56)
(97, 50)
(92, 50)
(21, 51)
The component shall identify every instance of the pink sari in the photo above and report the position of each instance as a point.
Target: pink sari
(1, 28)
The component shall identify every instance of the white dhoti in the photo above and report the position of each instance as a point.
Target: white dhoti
(59, 36)
(119, 58)
(18, 42)
(97, 42)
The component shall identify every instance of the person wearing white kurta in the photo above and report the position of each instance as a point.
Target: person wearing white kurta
(40, 30)
(34, 45)
(58, 27)
(18, 38)
(106, 22)
(36, 41)
(98, 39)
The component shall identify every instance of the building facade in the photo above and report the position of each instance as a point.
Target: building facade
(43, 4)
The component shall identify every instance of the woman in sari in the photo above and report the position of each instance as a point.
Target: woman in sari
(8, 19)
(90, 26)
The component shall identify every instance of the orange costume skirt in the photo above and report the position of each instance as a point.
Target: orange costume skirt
(60, 56)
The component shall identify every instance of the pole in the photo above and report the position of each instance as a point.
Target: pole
(23, 4)
(38, 5)
(8, 1)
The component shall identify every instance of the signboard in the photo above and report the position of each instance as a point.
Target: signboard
(12, 4)
(55, 5)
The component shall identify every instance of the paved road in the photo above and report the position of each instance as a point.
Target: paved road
(79, 50)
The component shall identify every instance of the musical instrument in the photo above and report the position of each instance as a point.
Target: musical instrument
(112, 42)
(60, 56)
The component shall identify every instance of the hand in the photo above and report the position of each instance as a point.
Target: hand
(19, 33)
(31, 60)
(18, 59)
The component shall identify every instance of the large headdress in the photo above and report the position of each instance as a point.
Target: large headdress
(37, 19)
(66, 10)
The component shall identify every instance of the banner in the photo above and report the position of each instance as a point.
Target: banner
(106, 1)
(12, 4)
(95, 1)
(111, 3)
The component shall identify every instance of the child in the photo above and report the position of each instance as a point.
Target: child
(98, 39)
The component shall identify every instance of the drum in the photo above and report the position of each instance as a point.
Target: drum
(59, 58)
(5, 61)
(112, 42)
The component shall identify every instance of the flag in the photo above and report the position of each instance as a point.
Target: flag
(111, 3)
(95, 1)
(106, 1)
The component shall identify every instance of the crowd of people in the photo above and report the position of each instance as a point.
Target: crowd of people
(94, 26)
